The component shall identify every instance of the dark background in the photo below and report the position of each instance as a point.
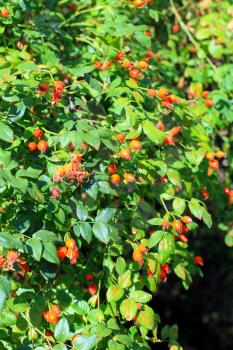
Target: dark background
(204, 313)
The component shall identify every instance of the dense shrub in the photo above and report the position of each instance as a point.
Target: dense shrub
(114, 147)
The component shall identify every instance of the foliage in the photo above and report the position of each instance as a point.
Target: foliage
(105, 146)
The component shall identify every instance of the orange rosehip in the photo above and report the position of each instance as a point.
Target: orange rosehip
(55, 192)
(142, 65)
(128, 64)
(120, 137)
(135, 73)
(72, 254)
(125, 154)
(176, 130)
(209, 102)
(59, 86)
(204, 192)
(32, 146)
(209, 155)
(56, 309)
(70, 243)
(137, 256)
(61, 252)
(177, 225)
(169, 140)
(135, 145)
(112, 169)
(115, 179)
(38, 133)
(151, 92)
(220, 154)
(98, 65)
(51, 317)
(149, 54)
(106, 65)
(160, 126)
(5, 12)
(138, 3)
(205, 94)
(186, 219)
(162, 92)
(42, 146)
(175, 28)
(214, 164)
(130, 178)
(165, 225)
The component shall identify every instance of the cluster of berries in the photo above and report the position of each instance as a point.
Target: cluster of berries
(208, 101)
(169, 138)
(52, 315)
(138, 254)
(13, 260)
(5, 12)
(70, 251)
(125, 154)
(167, 100)
(214, 163)
(58, 90)
(72, 171)
(92, 288)
(42, 145)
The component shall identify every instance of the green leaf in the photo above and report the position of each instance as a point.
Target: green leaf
(179, 206)
(147, 319)
(128, 309)
(5, 285)
(124, 280)
(180, 271)
(101, 232)
(46, 236)
(196, 208)
(105, 215)
(114, 293)
(50, 253)
(85, 230)
(143, 39)
(154, 14)
(35, 248)
(81, 212)
(229, 239)
(6, 133)
(120, 265)
(85, 342)
(140, 297)
(62, 330)
(3, 298)
(174, 177)
(27, 66)
(166, 248)
(155, 238)
(153, 133)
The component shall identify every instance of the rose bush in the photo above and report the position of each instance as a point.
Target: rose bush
(105, 169)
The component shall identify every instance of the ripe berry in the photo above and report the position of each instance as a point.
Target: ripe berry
(162, 92)
(199, 260)
(138, 3)
(141, 248)
(56, 309)
(220, 154)
(51, 317)
(61, 252)
(149, 54)
(226, 190)
(89, 277)
(143, 65)
(151, 232)
(205, 94)
(5, 12)
(115, 179)
(125, 154)
(209, 155)
(98, 65)
(163, 275)
(166, 268)
(127, 64)
(59, 86)
(209, 102)
(70, 243)
(42, 146)
(204, 192)
(129, 177)
(135, 73)
(183, 238)
(135, 145)
(175, 131)
(137, 256)
(186, 219)
(160, 126)
(165, 225)
(176, 28)
(151, 92)
(214, 164)
(32, 146)
(55, 193)
(106, 65)
(169, 140)
(177, 225)
(112, 169)
(92, 289)
(38, 133)
(120, 137)
(72, 254)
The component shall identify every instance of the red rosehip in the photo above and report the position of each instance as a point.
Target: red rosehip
(92, 289)
(32, 146)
